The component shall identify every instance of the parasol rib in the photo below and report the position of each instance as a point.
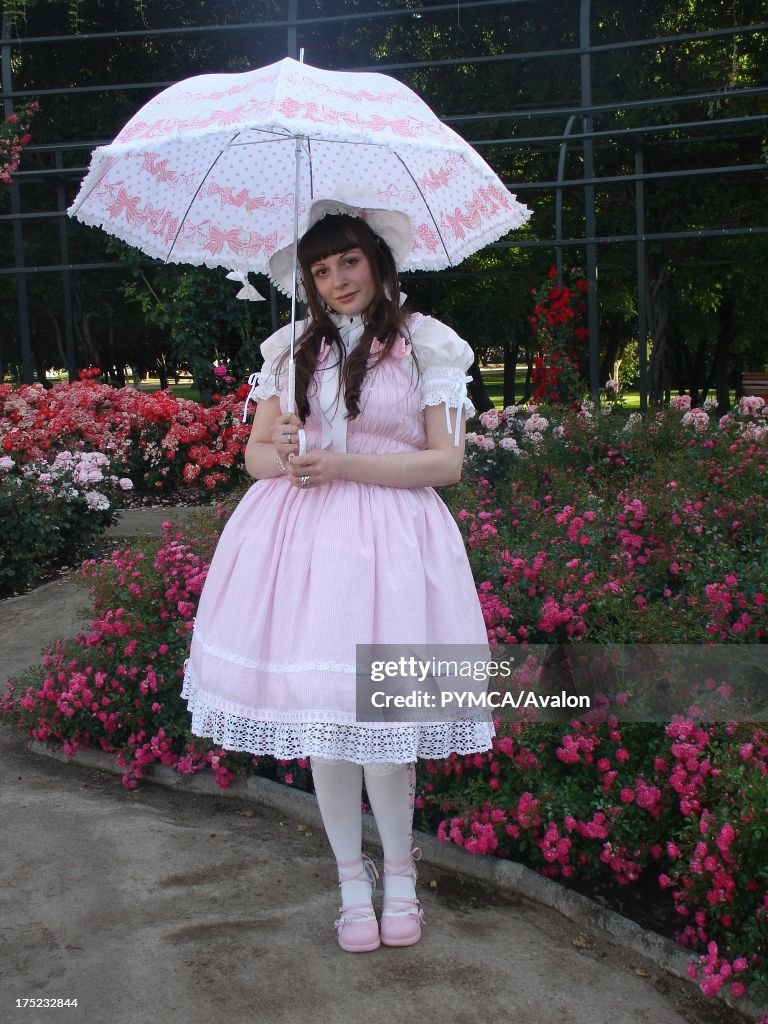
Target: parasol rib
(426, 206)
(197, 193)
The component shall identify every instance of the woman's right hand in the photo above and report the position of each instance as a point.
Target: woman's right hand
(285, 436)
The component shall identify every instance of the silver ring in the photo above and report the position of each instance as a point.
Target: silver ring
(305, 480)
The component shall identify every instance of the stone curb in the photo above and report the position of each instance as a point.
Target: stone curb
(504, 875)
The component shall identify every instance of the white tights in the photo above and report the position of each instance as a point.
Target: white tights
(390, 788)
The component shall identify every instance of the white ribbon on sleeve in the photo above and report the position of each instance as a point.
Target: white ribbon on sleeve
(253, 380)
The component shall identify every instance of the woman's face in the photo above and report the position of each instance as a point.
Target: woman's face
(345, 281)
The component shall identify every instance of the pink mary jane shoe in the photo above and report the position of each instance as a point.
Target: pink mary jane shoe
(401, 917)
(356, 925)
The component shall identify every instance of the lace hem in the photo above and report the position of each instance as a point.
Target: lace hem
(396, 744)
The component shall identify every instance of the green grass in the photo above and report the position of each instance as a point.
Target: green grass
(494, 381)
(189, 391)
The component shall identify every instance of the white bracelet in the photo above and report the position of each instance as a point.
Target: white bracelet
(281, 464)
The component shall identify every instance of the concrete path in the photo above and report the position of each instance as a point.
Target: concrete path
(171, 905)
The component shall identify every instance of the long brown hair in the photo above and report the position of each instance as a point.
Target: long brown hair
(384, 319)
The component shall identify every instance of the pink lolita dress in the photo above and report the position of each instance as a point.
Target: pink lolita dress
(300, 577)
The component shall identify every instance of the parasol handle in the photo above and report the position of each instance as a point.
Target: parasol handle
(291, 362)
(292, 403)
(292, 384)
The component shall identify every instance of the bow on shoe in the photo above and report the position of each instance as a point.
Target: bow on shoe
(402, 916)
(356, 925)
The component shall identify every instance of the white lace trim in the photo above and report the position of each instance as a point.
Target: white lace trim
(395, 744)
(419, 260)
(266, 390)
(272, 666)
(447, 385)
(436, 396)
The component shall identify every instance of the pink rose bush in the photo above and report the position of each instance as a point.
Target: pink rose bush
(52, 511)
(14, 136)
(116, 685)
(168, 446)
(581, 528)
(629, 530)
(82, 446)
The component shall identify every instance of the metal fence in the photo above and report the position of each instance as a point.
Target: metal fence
(586, 126)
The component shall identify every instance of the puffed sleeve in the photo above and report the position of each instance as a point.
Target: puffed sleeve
(268, 381)
(444, 359)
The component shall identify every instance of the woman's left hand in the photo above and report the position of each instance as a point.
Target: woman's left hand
(316, 467)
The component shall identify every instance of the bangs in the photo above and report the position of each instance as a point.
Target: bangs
(333, 234)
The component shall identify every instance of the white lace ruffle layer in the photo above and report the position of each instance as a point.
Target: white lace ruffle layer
(396, 744)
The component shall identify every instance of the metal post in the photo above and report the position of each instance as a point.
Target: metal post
(18, 236)
(66, 278)
(589, 205)
(642, 294)
(559, 199)
(293, 42)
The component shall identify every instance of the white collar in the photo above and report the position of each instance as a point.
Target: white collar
(350, 328)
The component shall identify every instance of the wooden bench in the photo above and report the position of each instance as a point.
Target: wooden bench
(754, 383)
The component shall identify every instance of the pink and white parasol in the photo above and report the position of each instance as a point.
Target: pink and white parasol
(206, 172)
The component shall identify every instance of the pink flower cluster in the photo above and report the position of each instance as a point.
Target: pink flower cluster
(164, 443)
(714, 972)
(70, 476)
(14, 136)
(638, 530)
(610, 534)
(647, 784)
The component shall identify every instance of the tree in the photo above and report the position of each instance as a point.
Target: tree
(702, 283)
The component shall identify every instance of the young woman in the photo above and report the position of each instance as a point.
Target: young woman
(347, 544)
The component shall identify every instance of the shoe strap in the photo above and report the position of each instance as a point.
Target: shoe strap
(354, 912)
(404, 868)
(363, 870)
(405, 907)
